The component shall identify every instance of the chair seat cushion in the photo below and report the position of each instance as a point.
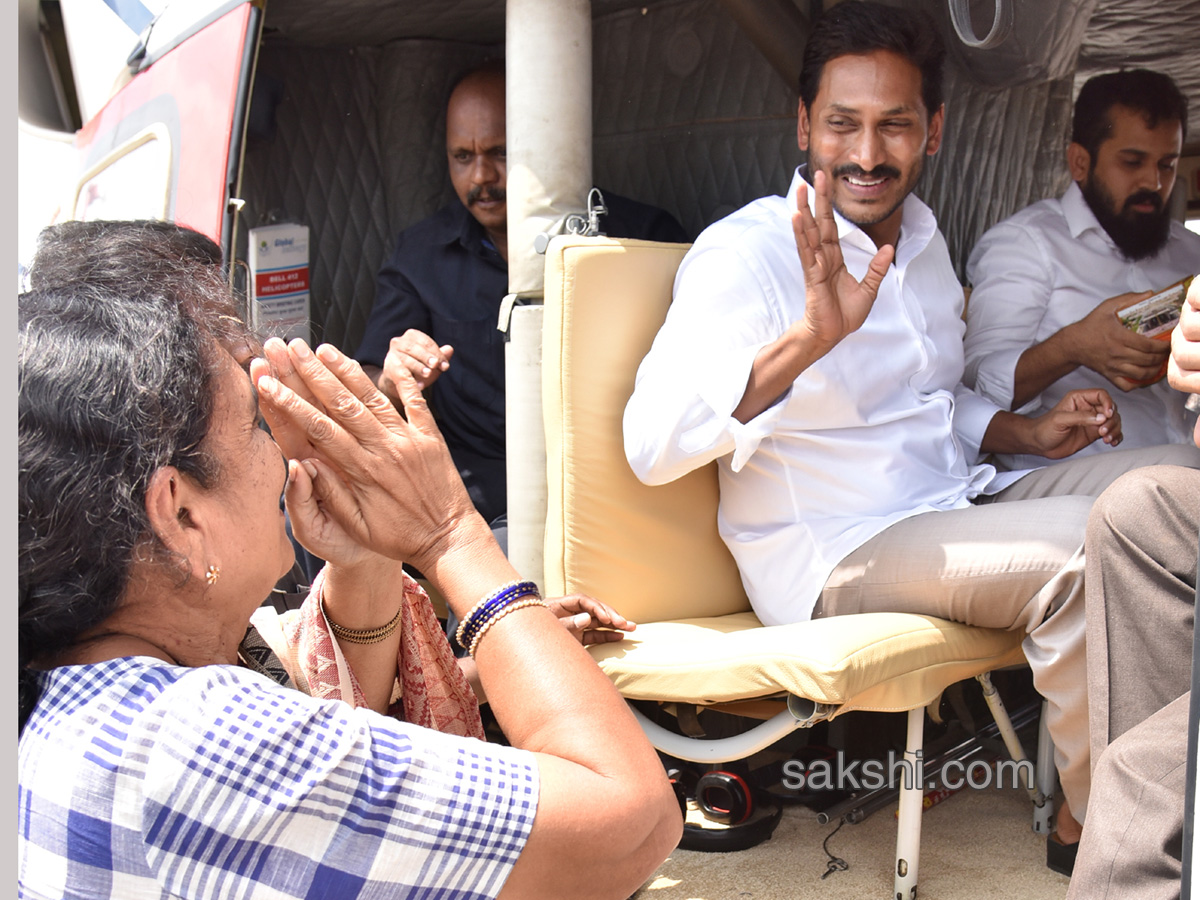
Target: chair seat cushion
(884, 662)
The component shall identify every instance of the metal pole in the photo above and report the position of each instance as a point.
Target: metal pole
(548, 98)
(912, 793)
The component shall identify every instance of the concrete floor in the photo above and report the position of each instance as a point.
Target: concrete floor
(975, 844)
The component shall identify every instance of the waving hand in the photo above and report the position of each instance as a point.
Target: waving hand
(836, 303)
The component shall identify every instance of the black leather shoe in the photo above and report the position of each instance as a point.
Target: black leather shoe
(1060, 857)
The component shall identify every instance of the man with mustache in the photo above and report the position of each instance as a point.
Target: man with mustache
(813, 349)
(1042, 316)
(438, 295)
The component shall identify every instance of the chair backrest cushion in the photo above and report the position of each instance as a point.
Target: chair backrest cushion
(651, 552)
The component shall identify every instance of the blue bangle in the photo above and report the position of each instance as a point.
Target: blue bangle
(486, 609)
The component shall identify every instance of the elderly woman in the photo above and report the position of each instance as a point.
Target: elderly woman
(150, 763)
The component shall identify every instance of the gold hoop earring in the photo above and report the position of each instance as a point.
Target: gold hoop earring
(213, 573)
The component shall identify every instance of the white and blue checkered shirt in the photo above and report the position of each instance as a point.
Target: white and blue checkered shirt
(138, 779)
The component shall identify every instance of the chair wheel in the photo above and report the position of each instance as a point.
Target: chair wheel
(728, 839)
(724, 797)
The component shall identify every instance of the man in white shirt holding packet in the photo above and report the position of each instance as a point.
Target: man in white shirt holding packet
(1050, 283)
(816, 354)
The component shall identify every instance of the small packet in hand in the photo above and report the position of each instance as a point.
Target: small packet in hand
(1156, 317)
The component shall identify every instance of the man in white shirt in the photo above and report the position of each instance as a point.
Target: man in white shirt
(1049, 280)
(817, 357)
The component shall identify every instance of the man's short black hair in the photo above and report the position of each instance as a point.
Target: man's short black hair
(1152, 94)
(857, 28)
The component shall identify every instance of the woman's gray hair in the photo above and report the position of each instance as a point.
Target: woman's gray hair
(116, 374)
(117, 253)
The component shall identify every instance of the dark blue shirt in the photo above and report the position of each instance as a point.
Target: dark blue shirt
(445, 278)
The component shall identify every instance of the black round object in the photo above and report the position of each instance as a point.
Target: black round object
(750, 833)
(723, 797)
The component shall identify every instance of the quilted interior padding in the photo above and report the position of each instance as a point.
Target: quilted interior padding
(1160, 35)
(1001, 151)
(688, 114)
(328, 178)
(367, 22)
(355, 149)
(883, 662)
(1041, 45)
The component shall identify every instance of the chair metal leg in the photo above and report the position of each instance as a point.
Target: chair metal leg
(912, 796)
(1043, 803)
(1047, 777)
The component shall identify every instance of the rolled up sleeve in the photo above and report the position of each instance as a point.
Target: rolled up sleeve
(680, 415)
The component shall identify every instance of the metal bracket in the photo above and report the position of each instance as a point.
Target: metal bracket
(587, 225)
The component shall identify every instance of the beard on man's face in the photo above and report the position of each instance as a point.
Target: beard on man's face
(864, 218)
(1138, 235)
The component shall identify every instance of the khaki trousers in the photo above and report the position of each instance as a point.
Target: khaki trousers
(1132, 842)
(1142, 545)
(1141, 592)
(1013, 561)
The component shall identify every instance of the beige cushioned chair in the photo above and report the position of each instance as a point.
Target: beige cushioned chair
(654, 552)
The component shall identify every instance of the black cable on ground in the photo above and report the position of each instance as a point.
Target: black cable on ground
(836, 863)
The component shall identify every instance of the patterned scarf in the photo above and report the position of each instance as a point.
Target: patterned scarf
(296, 648)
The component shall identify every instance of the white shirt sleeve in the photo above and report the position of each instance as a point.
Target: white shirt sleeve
(680, 414)
(972, 415)
(1012, 283)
